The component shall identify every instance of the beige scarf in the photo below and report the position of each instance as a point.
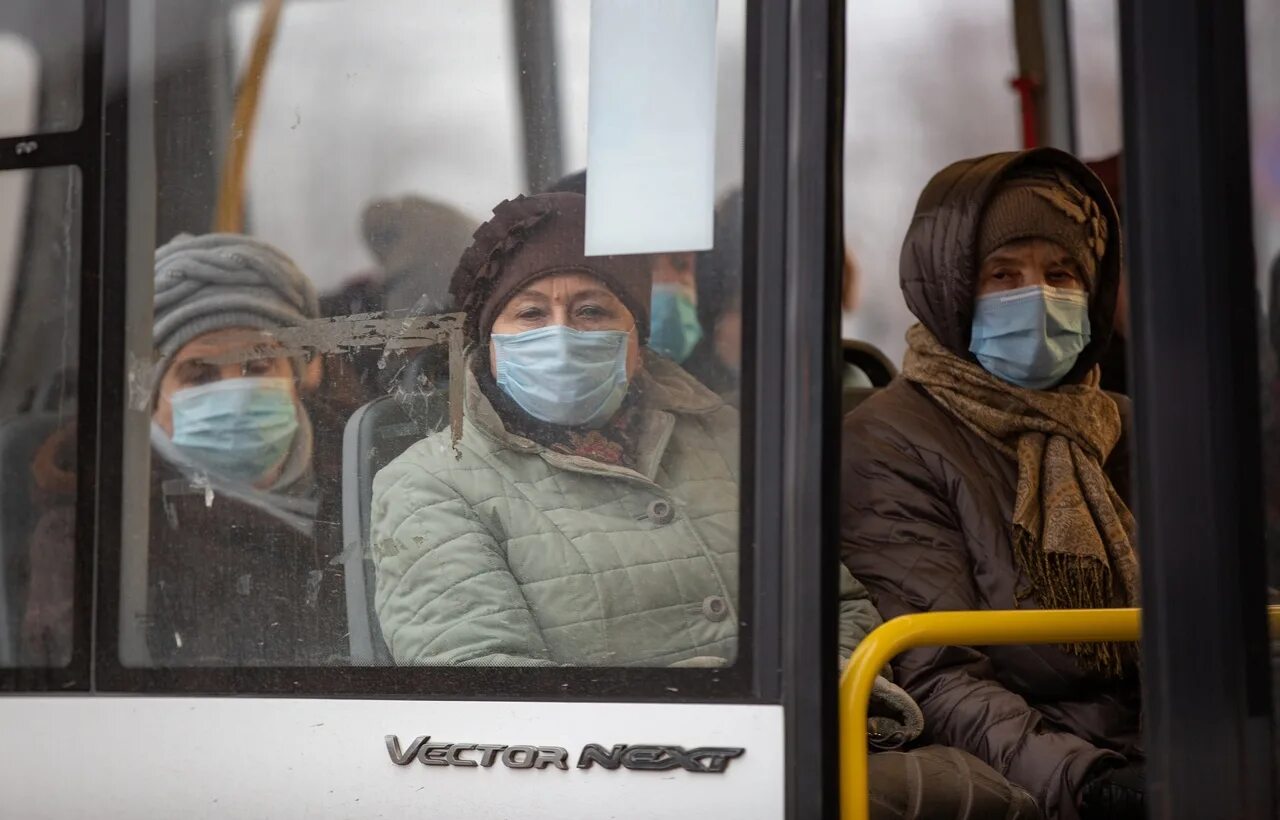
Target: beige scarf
(1072, 534)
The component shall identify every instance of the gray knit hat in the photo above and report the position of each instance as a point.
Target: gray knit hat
(216, 281)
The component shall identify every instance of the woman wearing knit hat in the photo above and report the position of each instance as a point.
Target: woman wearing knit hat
(589, 513)
(239, 560)
(992, 474)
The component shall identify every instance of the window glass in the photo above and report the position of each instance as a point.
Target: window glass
(19, 70)
(41, 66)
(927, 83)
(353, 464)
(1264, 115)
(1095, 61)
(39, 347)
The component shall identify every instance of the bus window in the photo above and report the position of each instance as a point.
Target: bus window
(905, 76)
(1095, 61)
(19, 66)
(41, 66)
(1264, 122)
(40, 275)
(395, 416)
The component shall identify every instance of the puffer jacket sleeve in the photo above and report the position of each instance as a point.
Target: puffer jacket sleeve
(858, 616)
(901, 537)
(893, 717)
(445, 594)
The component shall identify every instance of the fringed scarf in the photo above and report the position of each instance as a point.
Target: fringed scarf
(1072, 534)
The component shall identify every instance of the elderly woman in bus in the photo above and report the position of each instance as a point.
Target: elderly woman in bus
(992, 473)
(240, 559)
(588, 515)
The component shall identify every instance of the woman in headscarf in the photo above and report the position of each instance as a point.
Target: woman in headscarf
(991, 475)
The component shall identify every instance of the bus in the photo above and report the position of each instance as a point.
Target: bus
(171, 644)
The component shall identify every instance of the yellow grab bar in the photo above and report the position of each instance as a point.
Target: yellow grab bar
(957, 629)
(950, 629)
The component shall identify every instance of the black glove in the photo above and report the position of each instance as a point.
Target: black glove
(1115, 793)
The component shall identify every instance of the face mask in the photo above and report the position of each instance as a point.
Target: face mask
(673, 322)
(564, 376)
(1031, 336)
(239, 428)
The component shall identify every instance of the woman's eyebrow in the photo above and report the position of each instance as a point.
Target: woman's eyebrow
(525, 297)
(594, 293)
(188, 368)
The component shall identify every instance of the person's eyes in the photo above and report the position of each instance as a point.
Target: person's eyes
(257, 367)
(1001, 274)
(530, 314)
(203, 374)
(593, 312)
(1063, 276)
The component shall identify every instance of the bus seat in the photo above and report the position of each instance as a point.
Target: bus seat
(375, 434)
(870, 360)
(867, 370)
(20, 437)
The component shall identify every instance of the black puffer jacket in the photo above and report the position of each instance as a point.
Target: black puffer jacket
(926, 512)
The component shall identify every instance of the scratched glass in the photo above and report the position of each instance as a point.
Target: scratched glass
(335, 474)
(39, 347)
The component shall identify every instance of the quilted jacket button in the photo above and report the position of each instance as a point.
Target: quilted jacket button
(660, 512)
(714, 608)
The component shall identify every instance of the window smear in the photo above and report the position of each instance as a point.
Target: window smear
(19, 81)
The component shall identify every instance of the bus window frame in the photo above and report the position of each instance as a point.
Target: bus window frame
(80, 149)
(756, 677)
(1194, 358)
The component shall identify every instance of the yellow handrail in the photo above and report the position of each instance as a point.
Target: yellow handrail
(956, 629)
(950, 629)
(228, 214)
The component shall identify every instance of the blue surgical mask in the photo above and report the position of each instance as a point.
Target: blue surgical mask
(1030, 336)
(673, 322)
(564, 376)
(238, 428)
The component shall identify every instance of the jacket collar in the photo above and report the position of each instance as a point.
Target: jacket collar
(668, 392)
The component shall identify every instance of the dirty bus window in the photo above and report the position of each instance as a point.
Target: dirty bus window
(397, 416)
(39, 348)
(41, 66)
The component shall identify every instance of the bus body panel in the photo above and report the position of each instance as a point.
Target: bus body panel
(159, 757)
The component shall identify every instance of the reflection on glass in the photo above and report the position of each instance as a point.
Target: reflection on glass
(39, 310)
(41, 66)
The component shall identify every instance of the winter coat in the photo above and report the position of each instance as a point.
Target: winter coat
(233, 583)
(926, 510)
(502, 552)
